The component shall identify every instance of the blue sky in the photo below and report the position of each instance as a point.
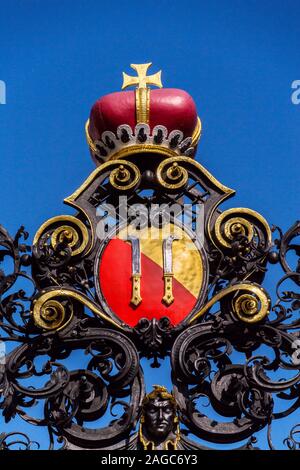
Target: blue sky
(237, 59)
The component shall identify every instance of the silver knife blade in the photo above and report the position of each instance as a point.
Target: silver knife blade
(136, 255)
(167, 254)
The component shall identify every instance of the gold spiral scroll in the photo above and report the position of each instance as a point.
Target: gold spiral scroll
(171, 175)
(250, 303)
(50, 313)
(125, 177)
(64, 229)
(239, 221)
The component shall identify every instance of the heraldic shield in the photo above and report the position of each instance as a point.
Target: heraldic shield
(149, 266)
(151, 273)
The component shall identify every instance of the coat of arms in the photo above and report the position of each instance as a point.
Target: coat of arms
(149, 266)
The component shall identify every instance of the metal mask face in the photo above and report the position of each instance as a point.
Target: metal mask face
(159, 416)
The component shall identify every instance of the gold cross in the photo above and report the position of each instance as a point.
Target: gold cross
(142, 80)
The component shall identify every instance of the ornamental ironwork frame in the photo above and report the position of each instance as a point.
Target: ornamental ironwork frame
(213, 351)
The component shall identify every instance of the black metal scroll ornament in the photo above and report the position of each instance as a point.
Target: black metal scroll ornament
(235, 350)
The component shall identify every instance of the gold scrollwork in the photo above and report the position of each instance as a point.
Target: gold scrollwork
(126, 176)
(239, 221)
(171, 175)
(50, 313)
(66, 229)
(105, 167)
(250, 303)
(182, 174)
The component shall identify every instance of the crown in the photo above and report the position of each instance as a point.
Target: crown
(162, 121)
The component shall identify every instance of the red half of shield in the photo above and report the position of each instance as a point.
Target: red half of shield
(116, 287)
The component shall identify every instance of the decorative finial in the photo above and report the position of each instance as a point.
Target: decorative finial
(142, 92)
(142, 79)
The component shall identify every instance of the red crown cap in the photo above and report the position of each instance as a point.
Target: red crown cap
(145, 120)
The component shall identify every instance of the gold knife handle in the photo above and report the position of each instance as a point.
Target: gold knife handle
(136, 290)
(168, 297)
